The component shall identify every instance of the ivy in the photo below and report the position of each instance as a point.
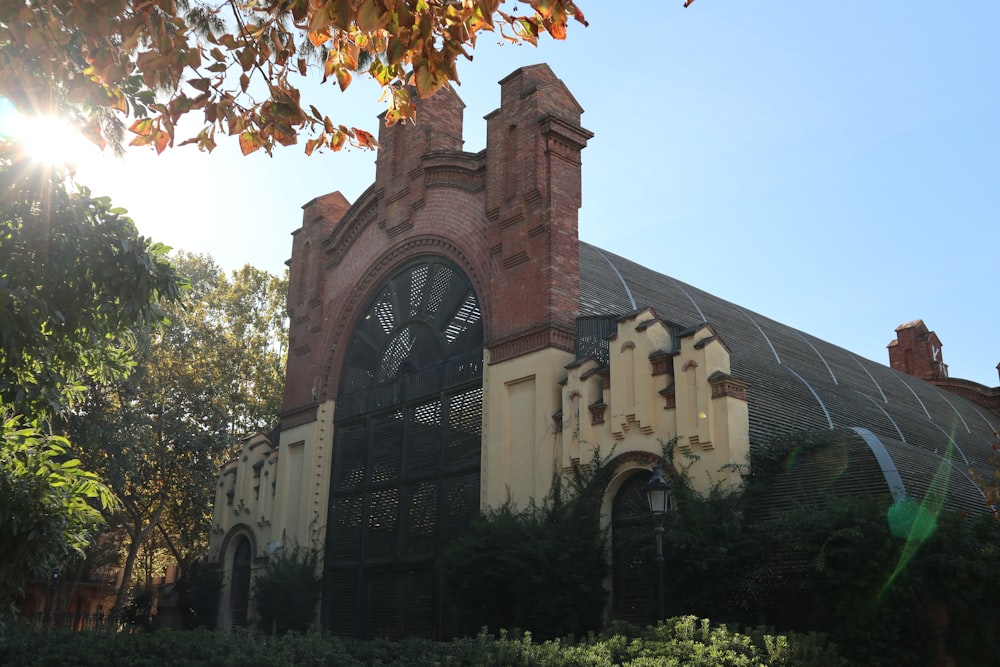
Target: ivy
(288, 591)
(539, 569)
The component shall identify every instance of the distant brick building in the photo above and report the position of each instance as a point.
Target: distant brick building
(453, 342)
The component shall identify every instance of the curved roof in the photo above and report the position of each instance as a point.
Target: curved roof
(800, 382)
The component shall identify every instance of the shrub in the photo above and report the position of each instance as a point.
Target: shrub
(539, 569)
(288, 591)
(681, 641)
(198, 591)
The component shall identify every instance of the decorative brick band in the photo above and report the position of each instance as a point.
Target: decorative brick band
(597, 411)
(725, 385)
(343, 236)
(527, 342)
(662, 363)
(669, 397)
(298, 416)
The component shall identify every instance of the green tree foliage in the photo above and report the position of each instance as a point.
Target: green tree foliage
(539, 569)
(238, 64)
(75, 280)
(198, 592)
(287, 592)
(45, 506)
(158, 436)
(835, 565)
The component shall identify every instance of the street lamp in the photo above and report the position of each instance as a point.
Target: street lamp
(658, 495)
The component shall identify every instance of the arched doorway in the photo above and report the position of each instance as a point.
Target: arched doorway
(634, 579)
(407, 440)
(239, 594)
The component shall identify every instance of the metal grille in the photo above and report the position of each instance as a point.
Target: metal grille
(592, 334)
(465, 428)
(386, 446)
(406, 452)
(633, 566)
(345, 531)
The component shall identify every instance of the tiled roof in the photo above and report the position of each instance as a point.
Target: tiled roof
(799, 382)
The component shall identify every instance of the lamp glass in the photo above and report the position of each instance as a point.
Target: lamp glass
(657, 492)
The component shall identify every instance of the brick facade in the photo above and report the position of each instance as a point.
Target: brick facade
(917, 351)
(507, 216)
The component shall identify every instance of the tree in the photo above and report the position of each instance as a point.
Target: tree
(288, 591)
(45, 509)
(239, 63)
(75, 278)
(158, 437)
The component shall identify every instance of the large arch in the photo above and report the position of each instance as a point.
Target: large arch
(407, 441)
(351, 309)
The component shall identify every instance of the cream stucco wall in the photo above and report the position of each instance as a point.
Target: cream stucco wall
(520, 450)
(275, 497)
(542, 413)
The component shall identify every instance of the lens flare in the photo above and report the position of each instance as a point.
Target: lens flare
(47, 140)
(915, 521)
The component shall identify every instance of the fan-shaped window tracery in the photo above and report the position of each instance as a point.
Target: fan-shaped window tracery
(407, 440)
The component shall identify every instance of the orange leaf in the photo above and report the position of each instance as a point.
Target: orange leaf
(319, 38)
(337, 140)
(364, 139)
(313, 144)
(141, 127)
(343, 78)
(369, 19)
(250, 142)
(161, 141)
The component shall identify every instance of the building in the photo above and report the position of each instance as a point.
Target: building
(453, 343)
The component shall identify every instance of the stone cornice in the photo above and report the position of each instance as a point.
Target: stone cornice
(532, 340)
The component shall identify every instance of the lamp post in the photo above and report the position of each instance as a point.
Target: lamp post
(658, 495)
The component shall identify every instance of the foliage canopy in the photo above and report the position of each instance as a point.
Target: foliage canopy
(240, 63)
(75, 280)
(75, 277)
(45, 506)
(158, 437)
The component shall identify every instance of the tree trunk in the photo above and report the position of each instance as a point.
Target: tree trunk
(137, 536)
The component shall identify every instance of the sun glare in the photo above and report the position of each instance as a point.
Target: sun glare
(45, 139)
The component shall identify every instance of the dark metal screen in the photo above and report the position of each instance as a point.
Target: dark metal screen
(592, 334)
(633, 564)
(406, 453)
(240, 584)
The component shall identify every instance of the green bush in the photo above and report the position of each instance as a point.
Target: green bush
(540, 569)
(836, 565)
(198, 591)
(684, 641)
(288, 591)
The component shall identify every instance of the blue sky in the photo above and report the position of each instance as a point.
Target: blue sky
(830, 165)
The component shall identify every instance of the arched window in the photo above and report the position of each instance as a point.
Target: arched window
(407, 436)
(633, 565)
(240, 584)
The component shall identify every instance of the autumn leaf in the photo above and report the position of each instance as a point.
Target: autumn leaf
(250, 142)
(364, 139)
(100, 58)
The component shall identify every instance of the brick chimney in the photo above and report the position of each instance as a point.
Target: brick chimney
(916, 351)
(533, 193)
